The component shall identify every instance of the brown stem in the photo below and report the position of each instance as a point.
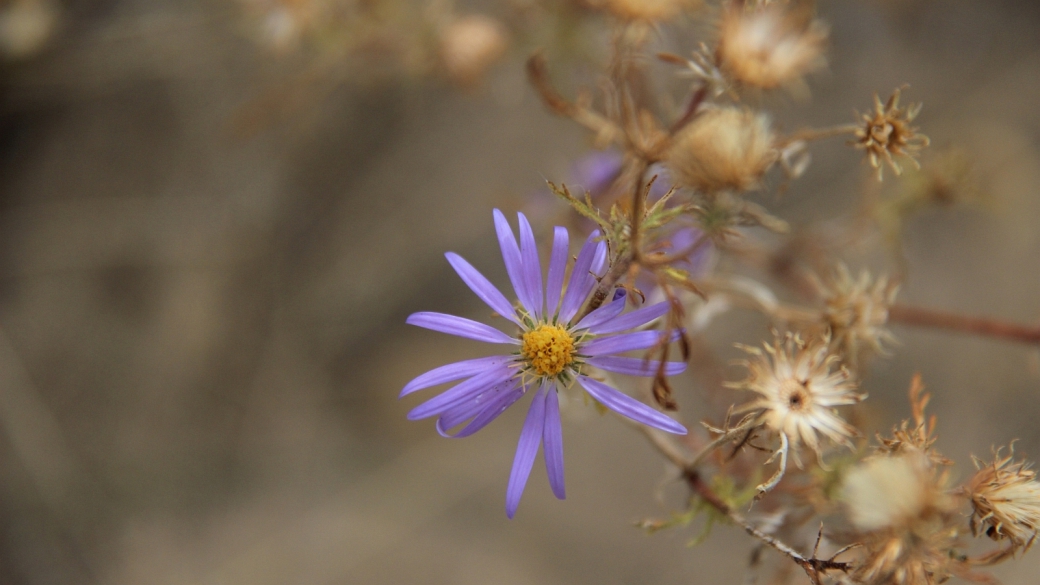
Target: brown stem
(691, 109)
(923, 317)
(810, 134)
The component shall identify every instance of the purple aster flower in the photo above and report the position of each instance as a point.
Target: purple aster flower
(551, 349)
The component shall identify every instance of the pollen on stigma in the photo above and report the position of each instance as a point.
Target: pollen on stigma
(548, 348)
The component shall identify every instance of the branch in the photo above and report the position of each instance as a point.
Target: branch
(985, 326)
(812, 566)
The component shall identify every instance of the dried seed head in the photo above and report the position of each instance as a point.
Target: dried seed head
(649, 10)
(1006, 500)
(886, 133)
(798, 388)
(769, 46)
(470, 46)
(723, 149)
(887, 491)
(908, 519)
(856, 311)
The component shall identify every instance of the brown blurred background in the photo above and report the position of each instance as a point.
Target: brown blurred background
(202, 329)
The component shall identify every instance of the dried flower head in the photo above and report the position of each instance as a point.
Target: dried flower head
(886, 133)
(908, 520)
(798, 388)
(772, 45)
(888, 490)
(1006, 500)
(918, 436)
(649, 10)
(856, 311)
(726, 148)
(470, 46)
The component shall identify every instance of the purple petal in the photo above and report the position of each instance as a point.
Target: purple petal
(526, 449)
(552, 439)
(532, 265)
(636, 366)
(629, 407)
(460, 326)
(621, 343)
(599, 261)
(557, 269)
(581, 281)
(482, 287)
(472, 406)
(631, 320)
(452, 372)
(511, 257)
(606, 312)
(500, 401)
(462, 391)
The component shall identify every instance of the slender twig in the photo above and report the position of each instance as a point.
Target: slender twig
(812, 566)
(727, 435)
(810, 134)
(538, 75)
(923, 317)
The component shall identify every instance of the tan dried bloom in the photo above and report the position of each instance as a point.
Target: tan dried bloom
(772, 45)
(798, 388)
(886, 133)
(919, 436)
(723, 149)
(856, 311)
(649, 10)
(887, 491)
(908, 520)
(1006, 501)
(470, 46)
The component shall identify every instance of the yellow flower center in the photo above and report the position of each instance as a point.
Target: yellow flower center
(549, 349)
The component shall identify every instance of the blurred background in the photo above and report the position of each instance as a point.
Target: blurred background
(214, 221)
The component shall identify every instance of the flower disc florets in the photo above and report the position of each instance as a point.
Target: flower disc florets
(549, 349)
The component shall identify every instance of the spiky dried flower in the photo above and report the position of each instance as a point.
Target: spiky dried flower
(1006, 500)
(725, 148)
(469, 46)
(856, 311)
(918, 436)
(798, 388)
(909, 521)
(887, 133)
(770, 45)
(649, 10)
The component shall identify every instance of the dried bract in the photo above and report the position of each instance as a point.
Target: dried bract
(886, 133)
(470, 46)
(1006, 500)
(856, 311)
(770, 46)
(723, 149)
